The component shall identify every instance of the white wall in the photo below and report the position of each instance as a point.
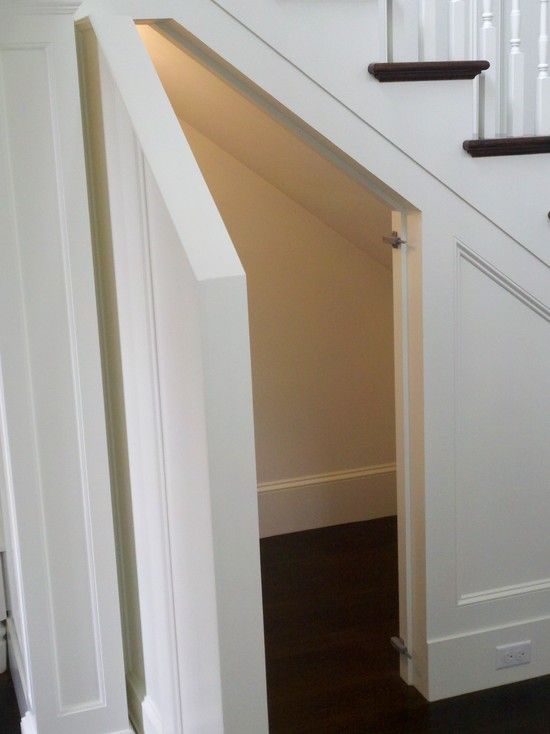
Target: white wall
(322, 353)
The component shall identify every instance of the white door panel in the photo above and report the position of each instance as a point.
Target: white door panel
(183, 322)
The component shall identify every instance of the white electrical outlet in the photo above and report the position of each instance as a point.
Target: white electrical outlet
(518, 653)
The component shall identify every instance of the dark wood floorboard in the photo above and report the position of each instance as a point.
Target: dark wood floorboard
(330, 607)
(10, 721)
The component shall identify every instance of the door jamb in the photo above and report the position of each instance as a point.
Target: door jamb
(402, 212)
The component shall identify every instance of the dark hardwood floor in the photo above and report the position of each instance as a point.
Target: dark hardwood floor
(330, 607)
(10, 721)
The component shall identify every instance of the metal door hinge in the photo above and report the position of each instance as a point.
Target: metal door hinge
(400, 646)
(394, 240)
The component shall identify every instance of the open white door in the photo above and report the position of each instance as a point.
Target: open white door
(180, 294)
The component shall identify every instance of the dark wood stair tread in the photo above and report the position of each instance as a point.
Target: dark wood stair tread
(507, 146)
(423, 71)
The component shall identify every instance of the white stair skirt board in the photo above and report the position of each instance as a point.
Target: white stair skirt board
(322, 500)
(473, 656)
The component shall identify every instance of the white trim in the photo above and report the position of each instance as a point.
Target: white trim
(473, 654)
(152, 721)
(136, 694)
(335, 476)
(402, 376)
(504, 591)
(28, 724)
(467, 254)
(502, 280)
(80, 420)
(323, 500)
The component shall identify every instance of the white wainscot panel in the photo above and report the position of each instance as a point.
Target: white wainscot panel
(43, 253)
(502, 425)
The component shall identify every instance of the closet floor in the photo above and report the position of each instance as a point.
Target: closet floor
(330, 608)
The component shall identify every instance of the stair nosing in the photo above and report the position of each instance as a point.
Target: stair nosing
(491, 147)
(409, 71)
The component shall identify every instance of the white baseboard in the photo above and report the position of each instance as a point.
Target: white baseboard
(135, 691)
(152, 722)
(473, 658)
(28, 724)
(321, 500)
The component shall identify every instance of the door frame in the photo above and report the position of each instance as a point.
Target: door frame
(407, 223)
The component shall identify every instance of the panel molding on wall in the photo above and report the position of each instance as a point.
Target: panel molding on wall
(37, 59)
(64, 631)
(509, 348)
(333, 498)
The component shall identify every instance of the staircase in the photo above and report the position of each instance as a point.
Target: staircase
(503, 117)
(472, 289)
(430, 121)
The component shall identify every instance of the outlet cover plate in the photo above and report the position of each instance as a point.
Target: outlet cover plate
(518, 653)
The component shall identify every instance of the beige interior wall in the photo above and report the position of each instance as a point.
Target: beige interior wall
(309, 233)
(321, 328)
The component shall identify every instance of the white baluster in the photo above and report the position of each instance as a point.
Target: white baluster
(405, 18)
(385, 30)
(516, 75)
(432, 39)
(488, 85)
(543, 81)
(457, 30)
(474, 54)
